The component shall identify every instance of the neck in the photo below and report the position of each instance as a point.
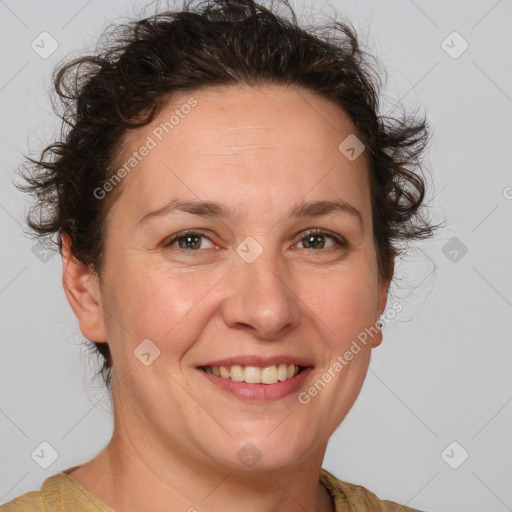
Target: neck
(139, 481)
(139, 470)
(131, 477)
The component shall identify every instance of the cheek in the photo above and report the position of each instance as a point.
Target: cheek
(344, 302)
(343, 308)
(167, 307)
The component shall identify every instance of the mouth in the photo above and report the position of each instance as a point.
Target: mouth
(268, 375)
(257, 381)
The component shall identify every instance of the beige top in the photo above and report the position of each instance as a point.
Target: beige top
(60, 493)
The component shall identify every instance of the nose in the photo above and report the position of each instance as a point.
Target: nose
(261, 298)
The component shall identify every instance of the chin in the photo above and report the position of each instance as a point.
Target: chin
(268, 449)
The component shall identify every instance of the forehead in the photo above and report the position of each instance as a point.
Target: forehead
(241, 143)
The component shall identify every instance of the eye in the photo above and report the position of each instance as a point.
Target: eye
(316, 239)
(189, 240)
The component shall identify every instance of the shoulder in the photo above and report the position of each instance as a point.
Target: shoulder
(48, 499)
(28, 502)
(59, 493)
(348, 496)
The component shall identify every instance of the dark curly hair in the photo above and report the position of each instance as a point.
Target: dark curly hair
(138, 66)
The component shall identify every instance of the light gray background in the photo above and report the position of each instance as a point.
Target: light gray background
(443, 372)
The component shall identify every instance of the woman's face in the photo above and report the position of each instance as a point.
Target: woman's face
(250, 171)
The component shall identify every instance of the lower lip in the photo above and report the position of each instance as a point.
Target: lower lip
(259, 392)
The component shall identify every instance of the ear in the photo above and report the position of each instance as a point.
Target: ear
(82, 289)
(382, 299)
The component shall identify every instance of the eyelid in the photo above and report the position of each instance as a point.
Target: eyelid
(338, 239)
(319, 231)
(181, 234)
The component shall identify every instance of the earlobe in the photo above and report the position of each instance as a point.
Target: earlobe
(377, 337)
(81, 286)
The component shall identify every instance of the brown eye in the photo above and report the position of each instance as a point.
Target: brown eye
(189, 240)
(318, 239)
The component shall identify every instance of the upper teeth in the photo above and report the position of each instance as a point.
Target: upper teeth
(254, 374)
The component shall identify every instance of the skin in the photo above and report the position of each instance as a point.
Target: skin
(258, 151)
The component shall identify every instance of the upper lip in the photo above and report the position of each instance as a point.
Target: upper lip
(259, 361)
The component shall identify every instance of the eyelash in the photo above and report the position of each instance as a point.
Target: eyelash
(315, 231)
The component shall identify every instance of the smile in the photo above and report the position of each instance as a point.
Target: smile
(254, 374)
(257, 384)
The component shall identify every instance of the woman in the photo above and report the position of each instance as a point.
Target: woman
(228, 205)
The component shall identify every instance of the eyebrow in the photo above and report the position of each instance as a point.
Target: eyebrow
(217, 210)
